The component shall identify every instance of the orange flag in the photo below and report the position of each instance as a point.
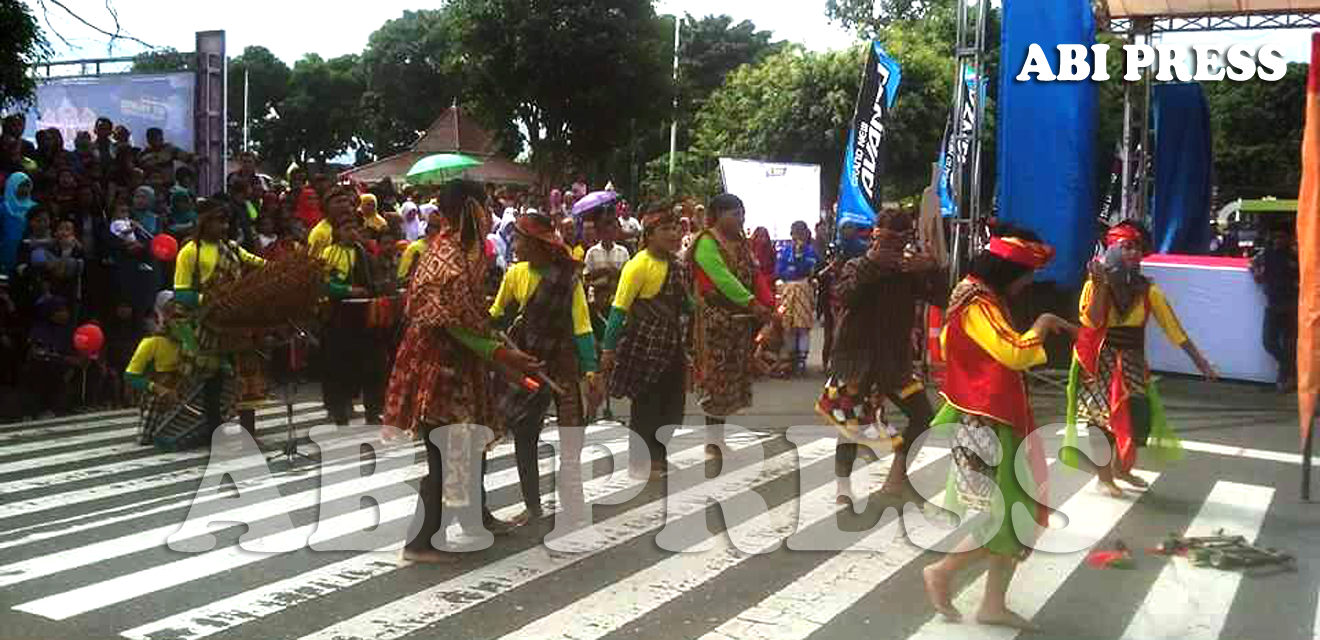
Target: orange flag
(1308, 246)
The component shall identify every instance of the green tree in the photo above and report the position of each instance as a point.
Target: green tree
(167, 60)
(573, 74)
(411, 77)
(711, 48)
(21, 46)
(1257, 127)
(795, 106)
(267, 87)
(870, 17)
(319, 119)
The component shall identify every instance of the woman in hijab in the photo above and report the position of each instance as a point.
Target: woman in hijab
(18, 201)
(143, 209)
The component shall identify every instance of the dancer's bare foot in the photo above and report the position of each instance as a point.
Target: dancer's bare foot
(1133, 480)
(429, 556)
(1110, 487)
(1005, 618)
(937, 591)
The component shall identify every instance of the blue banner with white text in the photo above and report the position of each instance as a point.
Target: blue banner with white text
(859, 191)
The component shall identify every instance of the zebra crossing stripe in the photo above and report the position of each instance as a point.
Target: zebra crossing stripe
(1230, 451)
(83, 455)
(1043, 573)
(809, 603)
(270, 599)
(412, 613)
(145, 463)
(39, 440)
(621, 602)
(67, 604)
(1193, 602)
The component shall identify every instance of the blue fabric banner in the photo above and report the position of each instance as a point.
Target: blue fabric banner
(1180, 210)
(1046, 154)
(859, 190)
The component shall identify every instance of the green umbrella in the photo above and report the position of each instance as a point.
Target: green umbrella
(440, 167)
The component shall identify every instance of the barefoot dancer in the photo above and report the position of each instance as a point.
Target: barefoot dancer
(990, 415)
(1109, 386)
(877, 294)
(441, 374)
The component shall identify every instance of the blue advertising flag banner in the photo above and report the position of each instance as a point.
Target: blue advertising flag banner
(139, 102)
(1046, 144)
(859, 191)
(973, 95)
(1180, 217)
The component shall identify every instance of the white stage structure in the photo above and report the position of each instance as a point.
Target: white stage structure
(775, 194)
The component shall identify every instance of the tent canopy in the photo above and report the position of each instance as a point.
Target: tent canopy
(452, 132)
(1179, 8)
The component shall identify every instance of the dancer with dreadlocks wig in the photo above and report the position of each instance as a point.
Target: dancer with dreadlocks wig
(990, 415)
(442, 372)
(732, 303)
(647, 336)
(877, 294)
(1110, 387)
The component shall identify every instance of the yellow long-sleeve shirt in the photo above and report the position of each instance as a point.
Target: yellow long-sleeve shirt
(520, 283)
(410, 255)
(643, 277)
(1136, 316)
(193, 261)
(986, 325)
(154, 354)
(320, 237)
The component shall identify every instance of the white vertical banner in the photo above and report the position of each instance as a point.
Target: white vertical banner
(775, 194)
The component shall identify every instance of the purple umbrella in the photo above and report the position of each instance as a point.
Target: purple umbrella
(593, 200)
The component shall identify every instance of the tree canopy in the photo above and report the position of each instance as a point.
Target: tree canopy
(22, 45)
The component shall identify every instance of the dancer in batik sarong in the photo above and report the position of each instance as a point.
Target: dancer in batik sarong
(442, 373)
(645, 354)
(1110, 387)
(990, 415)
(732, 303)
(877, 296)
(210, 260)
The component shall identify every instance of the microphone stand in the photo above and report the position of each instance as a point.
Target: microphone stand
(291, 455)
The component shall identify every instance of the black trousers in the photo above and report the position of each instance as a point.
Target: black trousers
(430, 517)
(919, 413)
(352, 363)
(1279, 335)
(662, 405)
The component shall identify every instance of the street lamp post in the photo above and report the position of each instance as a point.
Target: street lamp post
(673, 126)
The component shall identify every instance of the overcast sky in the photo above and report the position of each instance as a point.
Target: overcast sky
(291, 28)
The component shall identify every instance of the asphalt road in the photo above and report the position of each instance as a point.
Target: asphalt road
(85, 513)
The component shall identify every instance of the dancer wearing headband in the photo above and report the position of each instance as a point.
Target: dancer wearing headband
(647, 336)
(990, 415)
(1109, 386)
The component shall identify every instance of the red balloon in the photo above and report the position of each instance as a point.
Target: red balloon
(88, 339)
(164, 247)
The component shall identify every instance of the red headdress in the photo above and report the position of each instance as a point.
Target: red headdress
(1032, 255)
(1123, 233)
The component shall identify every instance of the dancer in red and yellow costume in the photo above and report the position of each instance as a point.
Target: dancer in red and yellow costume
(1110, 387)
(990, 416)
